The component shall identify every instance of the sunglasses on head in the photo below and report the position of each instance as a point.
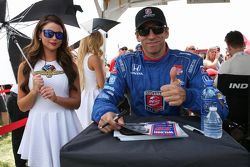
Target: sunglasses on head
(50, 34)
(146, 30)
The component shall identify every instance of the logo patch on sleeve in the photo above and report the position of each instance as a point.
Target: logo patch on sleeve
(112, 79)
(179, 69)
(114, 71)
(154, 101)
(136, 69)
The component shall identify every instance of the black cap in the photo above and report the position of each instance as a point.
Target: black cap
(124, 48)
(149, 14)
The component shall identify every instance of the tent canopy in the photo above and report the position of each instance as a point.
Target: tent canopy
(113, 9)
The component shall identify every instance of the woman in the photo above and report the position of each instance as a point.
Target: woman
(212, 59)
(51, 93)
(92, 75)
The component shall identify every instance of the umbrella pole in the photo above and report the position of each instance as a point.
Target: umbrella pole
(20, 49)
(104, 48)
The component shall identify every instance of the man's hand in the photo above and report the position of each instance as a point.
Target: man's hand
(112, 124)
(173, 93)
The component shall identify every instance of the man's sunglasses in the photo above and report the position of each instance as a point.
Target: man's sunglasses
(156, 30)
(50, 34)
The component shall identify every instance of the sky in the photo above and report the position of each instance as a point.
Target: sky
(202, 25)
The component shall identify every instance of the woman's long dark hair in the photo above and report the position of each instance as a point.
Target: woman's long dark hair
(35, 49)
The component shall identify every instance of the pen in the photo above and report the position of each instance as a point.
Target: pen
(193, 129)
(118, 116)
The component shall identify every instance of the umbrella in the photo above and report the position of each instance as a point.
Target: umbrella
(2, 10)
(96, 24)
(99, 23)
(65, 9)
(13, 50)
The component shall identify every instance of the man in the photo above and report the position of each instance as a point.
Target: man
(238, 64)
(138, 47)
(3, 109)
(191, 49)
(221, 59)
(16, 115)
(122, 51)
(157, 80)
(239, 61)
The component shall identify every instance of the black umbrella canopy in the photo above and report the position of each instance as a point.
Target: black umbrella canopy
(99, 23)
(65, 9)
(14, 52)
(75, 45)
(2, 10)
(96, 24)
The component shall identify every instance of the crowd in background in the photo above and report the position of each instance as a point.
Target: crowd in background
(214, 57)
(91, 70)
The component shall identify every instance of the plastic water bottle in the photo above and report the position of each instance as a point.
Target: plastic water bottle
(213, 124)
(209, 99)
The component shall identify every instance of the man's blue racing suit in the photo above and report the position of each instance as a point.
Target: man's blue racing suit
(141, 80)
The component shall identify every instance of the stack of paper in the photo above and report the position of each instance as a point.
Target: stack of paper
(151, 131)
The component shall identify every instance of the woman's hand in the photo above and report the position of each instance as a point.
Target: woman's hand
(37, 83)
(48, 93)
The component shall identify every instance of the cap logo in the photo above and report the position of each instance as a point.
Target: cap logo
(148, 13)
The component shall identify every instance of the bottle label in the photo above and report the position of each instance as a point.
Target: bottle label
(206, 104)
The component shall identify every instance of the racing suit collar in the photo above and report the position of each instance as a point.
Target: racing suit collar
(157, 59)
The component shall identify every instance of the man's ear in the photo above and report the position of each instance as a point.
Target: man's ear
(229, 47)
(137, 37)
(166, 33)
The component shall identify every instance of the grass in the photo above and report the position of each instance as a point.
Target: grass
(6, 154)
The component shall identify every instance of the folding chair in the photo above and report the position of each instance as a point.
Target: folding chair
(236, 88)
